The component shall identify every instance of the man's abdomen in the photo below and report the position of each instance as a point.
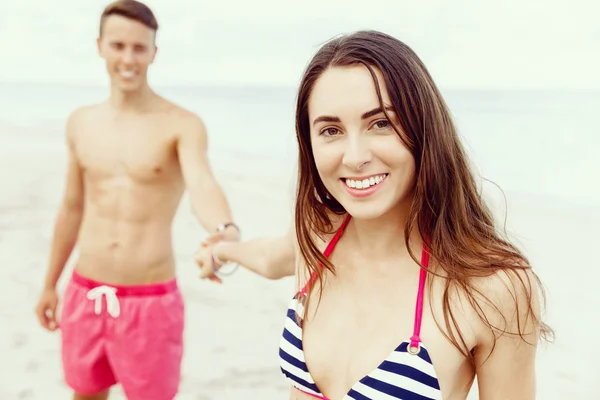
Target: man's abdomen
(119, 251)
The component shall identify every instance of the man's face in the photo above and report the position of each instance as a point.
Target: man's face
(128, 48)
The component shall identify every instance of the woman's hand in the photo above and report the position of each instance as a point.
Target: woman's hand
(206, 260)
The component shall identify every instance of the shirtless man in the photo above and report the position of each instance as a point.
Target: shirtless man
(130, 160)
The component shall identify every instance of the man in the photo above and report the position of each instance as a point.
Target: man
(130, 160)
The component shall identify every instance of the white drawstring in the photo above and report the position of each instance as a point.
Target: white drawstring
(112, 302)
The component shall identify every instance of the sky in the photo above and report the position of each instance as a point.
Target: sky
(466, 44)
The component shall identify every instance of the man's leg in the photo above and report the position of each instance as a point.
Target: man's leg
(98, 396)
(85, 363)
(147, 349)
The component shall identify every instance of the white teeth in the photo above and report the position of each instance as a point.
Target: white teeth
(365, 183)
(127, 74)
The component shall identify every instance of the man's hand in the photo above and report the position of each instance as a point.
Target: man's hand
(46, 309)
(204, 257)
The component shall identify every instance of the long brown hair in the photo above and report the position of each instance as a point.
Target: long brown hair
(447, 209)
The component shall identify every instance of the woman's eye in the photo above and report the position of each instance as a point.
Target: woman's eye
(330, 131)
(382, 124)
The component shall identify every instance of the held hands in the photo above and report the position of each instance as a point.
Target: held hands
(205, 259)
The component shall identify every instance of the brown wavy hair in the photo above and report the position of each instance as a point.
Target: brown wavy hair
(447, 209)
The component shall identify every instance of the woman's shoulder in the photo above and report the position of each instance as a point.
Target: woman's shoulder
(321, 240)
(506, 302)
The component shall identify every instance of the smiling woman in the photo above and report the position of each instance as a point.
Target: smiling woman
(354, 142)
(417, 291)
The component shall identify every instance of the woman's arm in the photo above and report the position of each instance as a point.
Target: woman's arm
(271, 257)
(505, 357)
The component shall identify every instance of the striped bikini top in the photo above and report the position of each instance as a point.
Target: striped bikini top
(407, 373)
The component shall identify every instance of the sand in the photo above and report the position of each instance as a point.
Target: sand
(232, 331)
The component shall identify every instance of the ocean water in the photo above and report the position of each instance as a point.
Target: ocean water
(542, 143)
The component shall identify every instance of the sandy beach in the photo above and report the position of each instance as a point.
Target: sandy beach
(232, 331)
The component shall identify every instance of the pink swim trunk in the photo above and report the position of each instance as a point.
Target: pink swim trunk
(132, 335)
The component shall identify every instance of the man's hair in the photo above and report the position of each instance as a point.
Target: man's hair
(131, 9)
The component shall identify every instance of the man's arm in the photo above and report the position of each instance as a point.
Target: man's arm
(69, 217)
(66, 230)
(207, 198)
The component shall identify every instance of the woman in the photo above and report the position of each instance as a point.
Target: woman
(405, 288)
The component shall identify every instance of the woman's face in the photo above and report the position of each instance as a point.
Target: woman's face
(360, 159)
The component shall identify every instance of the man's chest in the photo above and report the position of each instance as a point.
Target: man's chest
(137, 152)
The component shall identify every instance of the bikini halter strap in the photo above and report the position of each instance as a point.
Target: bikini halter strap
(415, 340)
(328, 250)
